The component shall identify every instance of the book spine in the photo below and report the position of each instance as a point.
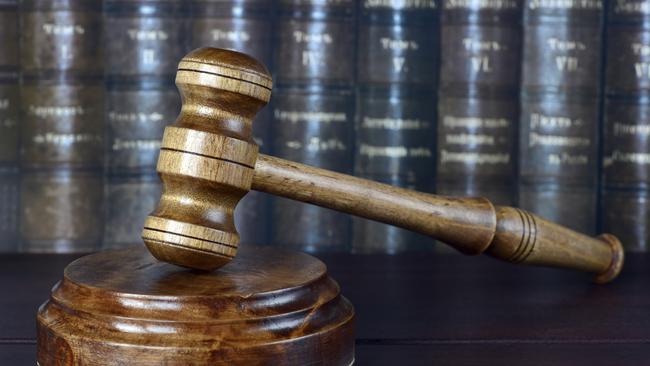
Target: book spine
(136, 115)
(9, 131)
(313, 112)
(144, 38)
(626, 144)
(570, 205)
(9, 36)
(625, 209)
(315, 42)
(144, 41)
(398, 43)
(129, 199)
(72, 31)
(312, 127)
(560, 112)
(478, 109)
(248, 30)
(628, 52)
(625, 213)
(477, 146)
(9, 128)
(397, 58)
(395, 134)
(61, 211)
(62, 126)
(62, 123)
(9, 209)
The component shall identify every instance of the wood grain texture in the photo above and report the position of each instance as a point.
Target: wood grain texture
(459, 222)
(471, 225)
(268, 307)
(209, 160)
(372, 237)
(211, 146)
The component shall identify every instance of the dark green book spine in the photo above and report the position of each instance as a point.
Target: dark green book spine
(312, 126)
(560, 112)
(625, 208)
(478, 109)
(244, 26)
(130, 198)
(397, 66)
(9, 209)
(62, 210)
(144, 40)
(137, 112)
(9, 127)
(313, 112)
(62, 103)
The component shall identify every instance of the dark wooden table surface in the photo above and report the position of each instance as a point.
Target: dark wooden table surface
(428, 309)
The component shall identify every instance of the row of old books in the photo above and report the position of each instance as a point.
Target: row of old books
(541, 104)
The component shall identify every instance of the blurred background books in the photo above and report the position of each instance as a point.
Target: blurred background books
(540, 104)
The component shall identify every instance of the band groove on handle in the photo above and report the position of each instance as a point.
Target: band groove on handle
(528, 237)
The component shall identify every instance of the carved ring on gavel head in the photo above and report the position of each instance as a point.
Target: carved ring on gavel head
(208, 161)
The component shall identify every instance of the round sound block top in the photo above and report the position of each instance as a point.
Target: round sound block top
(268, 306)
(259, 280)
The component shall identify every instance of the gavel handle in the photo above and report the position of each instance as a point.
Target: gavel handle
(471, 225)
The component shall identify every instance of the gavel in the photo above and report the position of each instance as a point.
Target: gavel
(208, 161)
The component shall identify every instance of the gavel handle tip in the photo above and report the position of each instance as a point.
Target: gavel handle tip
(618, 257)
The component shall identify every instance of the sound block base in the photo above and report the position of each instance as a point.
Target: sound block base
(267, 307)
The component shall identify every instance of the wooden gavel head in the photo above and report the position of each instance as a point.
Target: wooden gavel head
(207, 158)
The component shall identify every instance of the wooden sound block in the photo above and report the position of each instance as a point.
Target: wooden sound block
(267, 307)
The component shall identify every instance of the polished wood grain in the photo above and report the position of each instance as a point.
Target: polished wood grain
(209, 160)
(268, 307)
(206, 159)
(471, 225)
(426, 309)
